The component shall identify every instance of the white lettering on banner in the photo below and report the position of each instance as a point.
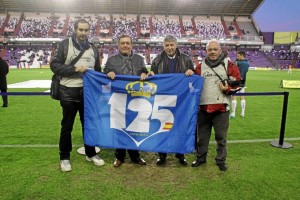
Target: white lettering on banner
(165, 116)
(141, 122)
(145, 113)
(117, 110)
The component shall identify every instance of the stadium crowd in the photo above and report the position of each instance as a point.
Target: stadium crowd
(31, 25)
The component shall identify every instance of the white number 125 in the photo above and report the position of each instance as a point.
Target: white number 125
(144, 109)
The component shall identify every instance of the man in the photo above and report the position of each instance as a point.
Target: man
(216, 70)
(243, 66)
(171, 61)
(71, 94)
(4, 69)
(126, 63)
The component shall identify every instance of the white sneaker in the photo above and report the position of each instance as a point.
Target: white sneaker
(96, 160)
(242, 115)
(232, 115)
(65, 166)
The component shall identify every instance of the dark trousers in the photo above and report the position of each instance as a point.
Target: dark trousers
(220, 122)
(69, 111)
(164, 155)
(4, 98)
(121, 153)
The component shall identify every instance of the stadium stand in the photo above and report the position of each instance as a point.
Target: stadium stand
(209, 28)
(26, 36)
(145, 27)
(35, 26)
(188, 26)
(166, 25)
(104, 25)
(124, 25)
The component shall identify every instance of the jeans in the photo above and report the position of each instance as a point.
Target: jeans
(69, 111)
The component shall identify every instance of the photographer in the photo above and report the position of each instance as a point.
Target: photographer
(221, 79)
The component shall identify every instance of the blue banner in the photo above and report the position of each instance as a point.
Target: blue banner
(155, 115)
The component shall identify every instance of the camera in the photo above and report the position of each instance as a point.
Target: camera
(232, 83)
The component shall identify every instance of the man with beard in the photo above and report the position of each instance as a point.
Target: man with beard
(71, 87)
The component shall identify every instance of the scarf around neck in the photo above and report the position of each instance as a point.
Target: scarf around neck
(215, 63)
(82, 45)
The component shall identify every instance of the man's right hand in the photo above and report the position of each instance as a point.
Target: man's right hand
(111, 75)
(81, 69)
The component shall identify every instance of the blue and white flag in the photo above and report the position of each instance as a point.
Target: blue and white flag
(158, 114)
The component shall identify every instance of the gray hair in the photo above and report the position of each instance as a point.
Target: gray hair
(213, 41)
(170, 38)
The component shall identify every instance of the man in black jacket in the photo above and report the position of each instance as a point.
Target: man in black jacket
(3, 83)
(171, 61)
(126, 63)
(71, 86)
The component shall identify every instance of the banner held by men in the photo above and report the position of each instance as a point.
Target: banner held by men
(155, 115)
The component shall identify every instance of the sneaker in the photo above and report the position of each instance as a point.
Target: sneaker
(65, 166)
(242, 115)
(96, 160)
(232, 115)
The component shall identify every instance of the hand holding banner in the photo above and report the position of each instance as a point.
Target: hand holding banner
(156, 115)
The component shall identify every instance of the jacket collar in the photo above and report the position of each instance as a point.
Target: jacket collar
(82, 45)
(177, 53)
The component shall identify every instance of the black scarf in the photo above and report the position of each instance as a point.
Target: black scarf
(82, 45)
(215, 63)
(127, 67)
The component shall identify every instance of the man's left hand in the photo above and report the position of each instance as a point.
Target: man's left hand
(143, 76)
(189, 72)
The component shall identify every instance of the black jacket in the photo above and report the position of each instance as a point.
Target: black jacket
(136, 65)
(58, 66)
(3, 72)
(160, 63)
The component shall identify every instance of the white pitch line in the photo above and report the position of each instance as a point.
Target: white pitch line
(33, 145)
(79, 145)
(260, 140)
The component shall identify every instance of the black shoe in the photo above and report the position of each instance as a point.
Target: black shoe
(139, 161)
(4, 106)
(160, 161)
(222, 167)
(183, 161)
(198, 162)
(118, 163)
